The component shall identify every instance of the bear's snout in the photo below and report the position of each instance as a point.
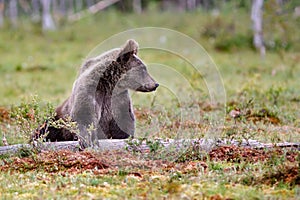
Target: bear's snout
(148, 87)
(154, 88)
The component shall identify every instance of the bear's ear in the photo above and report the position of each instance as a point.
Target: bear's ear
(130, 48)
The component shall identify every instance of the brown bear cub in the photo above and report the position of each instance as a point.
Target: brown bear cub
(100, 97)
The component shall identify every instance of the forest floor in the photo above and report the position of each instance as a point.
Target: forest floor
(224, 173)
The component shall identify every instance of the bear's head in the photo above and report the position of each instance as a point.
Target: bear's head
(136, 77)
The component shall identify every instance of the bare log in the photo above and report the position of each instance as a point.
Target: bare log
(92, 9)
(47, 146)
(13, 149)
(146, 146)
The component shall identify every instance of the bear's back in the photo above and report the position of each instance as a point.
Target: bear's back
(111, 55)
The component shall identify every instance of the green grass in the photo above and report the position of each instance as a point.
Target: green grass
(45, 64)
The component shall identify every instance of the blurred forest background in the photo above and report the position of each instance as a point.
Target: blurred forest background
(274, 26)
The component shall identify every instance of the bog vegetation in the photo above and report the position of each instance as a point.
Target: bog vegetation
(37, 70)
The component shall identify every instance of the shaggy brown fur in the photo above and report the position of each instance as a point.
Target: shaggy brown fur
(100, 97)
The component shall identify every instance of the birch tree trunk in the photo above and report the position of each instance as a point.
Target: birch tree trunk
(137, 6)
(55, 9)
(70, 7)
(90, 3)
(191, 4)
(48, 23)
(13, 12)
(257, 19)
(35, 11)
(62, 8)
(25, 5)
(181, 5)
(279, 6)
(2, 5)
(78, 5)
(205, 4)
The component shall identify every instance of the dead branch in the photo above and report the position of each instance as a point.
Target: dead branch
(93, 9)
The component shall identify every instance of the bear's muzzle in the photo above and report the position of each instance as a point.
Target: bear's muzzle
(147, 88)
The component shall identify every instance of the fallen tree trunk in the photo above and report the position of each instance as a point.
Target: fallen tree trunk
(47, 146)
(93, 9)
(145, 145)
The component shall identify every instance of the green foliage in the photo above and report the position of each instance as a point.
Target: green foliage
(25, 152)
(66, 123)
(134, 145)
(28, 116)
(280, 26)
(234, 42)
(25, 119)
(216, 166)
(226, 34)
(231, 32)
(274, 93)
(175, 176)
(154, 145)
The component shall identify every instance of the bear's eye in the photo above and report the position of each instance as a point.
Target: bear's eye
(136, 63)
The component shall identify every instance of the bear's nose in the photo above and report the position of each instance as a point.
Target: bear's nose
(156, 85)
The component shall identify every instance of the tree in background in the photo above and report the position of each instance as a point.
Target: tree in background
(257, 19)
(13, 12)
(1, 13)
(35, 10)
(48, 23)
(276, 15)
